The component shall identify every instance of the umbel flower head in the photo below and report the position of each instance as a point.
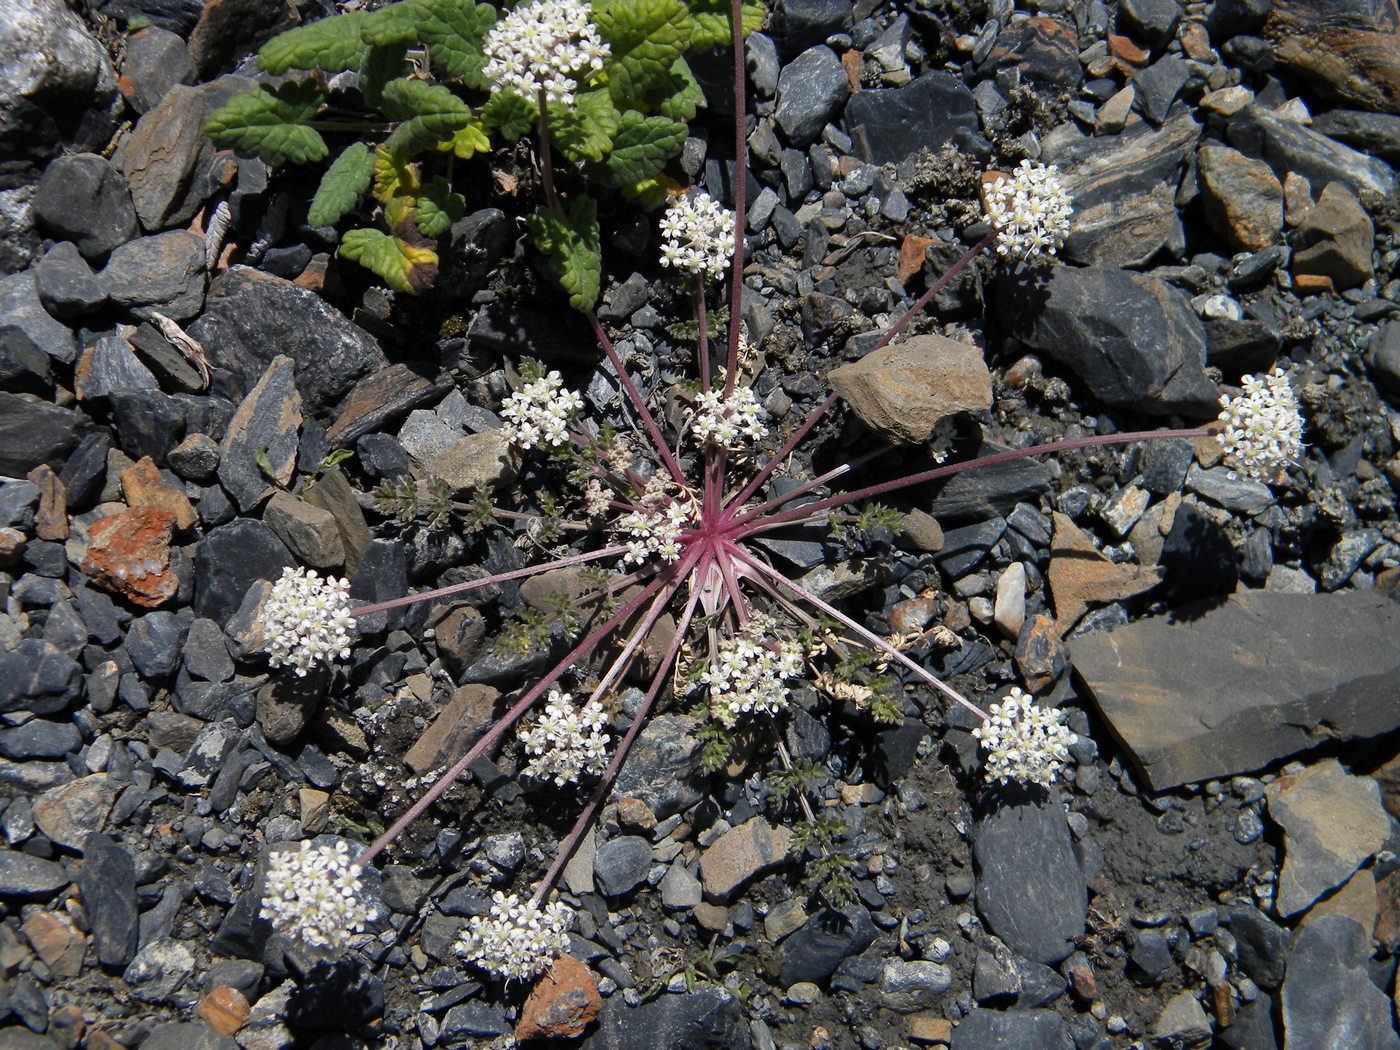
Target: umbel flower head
(1024, 742)
(1029, 209)
(539, 413)
(312, 894)
(566, 742)
(306, 620)
(747, 676)
(517, 940)
(654, 533)
(726, 420)
(550, 45)
(1262, 429)
(698, 235)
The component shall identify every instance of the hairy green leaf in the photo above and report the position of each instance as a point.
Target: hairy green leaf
(439, 208)
(453, 31)
(344, 182)
(712, 22)
(391, 25)
(468, 140)
(394, 175)
(572, 244)
(585, 130)
(332, 44)
(509, 114)
(642, 147)
(646, 38)
(270, 123)
(682, 95)
(430, 114)
(404, 267)
(379, 66)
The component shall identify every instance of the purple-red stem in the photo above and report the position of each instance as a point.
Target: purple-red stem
(741, 176)
(638, 403)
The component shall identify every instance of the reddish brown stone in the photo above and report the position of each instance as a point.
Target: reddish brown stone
(1387, 930)
(634, 813)
(1081, 981)
(853, 62)
(562, 1004)
(1079, 574)
(911, 256)
(51, 519)
(460, 723)
(129, 553)
(224, 1009)
(99, 1039)
(1312, 284)
(12, 543)
(1040, 655)
(143, 486)
(57, 941)
(1123, 48)
(1195, 41)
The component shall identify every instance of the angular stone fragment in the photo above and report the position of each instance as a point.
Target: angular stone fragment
(69, 814)
(129, 553)
(753, 848)
(1332, 823)
(1214, 692)
(562, 1004)
(1079, 574)
(308, 531)
(1285, 145)
(1243, 198)
(265, 425)
(902, 391)
(1334, 239)
(1328, 999)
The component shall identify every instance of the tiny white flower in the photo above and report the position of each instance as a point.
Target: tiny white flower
(313, 895)
(549, 44)
(1024, 742)
(539, 413)
(699, 235)
(654, 533)
(566, 742)
(1029, 209)
(725, 420)
(306, 620)
(1262, 427)
(747, 676)
(516, 940)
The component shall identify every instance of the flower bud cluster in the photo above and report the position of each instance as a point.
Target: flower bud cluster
(747, 676)
(517, 940)
(539, 413)
(549, 45)
(566, 742)
(727, 420)
(1024, 742)
(1263, 428)
(699, 235)
(1030, 210)
(312, 894)
(654, 533)
(306, 620)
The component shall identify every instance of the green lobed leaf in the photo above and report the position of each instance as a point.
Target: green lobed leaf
(683, 96)
(332, 44)
(572, 244)
(646, 38)
(379, 66)
(430, 113)
(454, 31)
(509, 114)
(642, 146)
(395, 24)
(467, 141)
(342, 186)
(585, 130)
(712, 22)
(270, 123)
(439, 208)
(404, 267)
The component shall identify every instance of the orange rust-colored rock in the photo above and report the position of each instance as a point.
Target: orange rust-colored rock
(1312, 284)
(143, 486)
(56, 941)
(911, 256)
(562, 1004)
(224, 1009)
(129, 553)
(1123, 48)
(1080, 575)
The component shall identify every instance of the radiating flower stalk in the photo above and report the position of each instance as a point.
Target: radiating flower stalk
(685, 544)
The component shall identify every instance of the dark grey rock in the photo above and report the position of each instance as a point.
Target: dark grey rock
(1030, 889)
(621, 864)
(66, 284)
(1327, 997)
(888, 124)
(1346, 557)
(1286, 145)
(811, 90)
(21, 308)
(1191, 699)
(153, 61)
(187, 1036)
(110, 365)
(1253, 1028)
(985, 492)
(196, 458)
(265, 425)
(762, 55)
(995, 1030)
(85, 469)
(35, 676)
(1133, 340)
(84, 199)
(826, 939)
(24, 876)
(801, 24)
(1158, 86)
(708, 1018)
(1151, 956)
(1199, 559)
(1164, 465)
(965, 547)
(24, 368)
(163, 273)
(474, 1018)
(107, 882)
(17, 502)
(660, 768)
(154, 641)
(1229, 489)
(1152, 21)
(17, 1038)
(148, 422)
(1374, 134)
(227, 562)
(38, 738)
(250, 317)
(207, 754)
(205, 652)
(909, 986)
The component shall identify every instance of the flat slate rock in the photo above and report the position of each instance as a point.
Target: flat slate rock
(1030, 887)
(888, 124)
(995, 1030)
(708, 1018)
(1328, 998)
(1214, 692)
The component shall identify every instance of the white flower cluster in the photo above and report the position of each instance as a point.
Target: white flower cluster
(725, 420)
(1263, 429)
(566, 742)
(516, 940)
(1030, 210)
(306, 620)
(1023, 741)
(747, 676)
(550, 44)
(654, 533)
(539, 413)
(313, 895)
(699, 235)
